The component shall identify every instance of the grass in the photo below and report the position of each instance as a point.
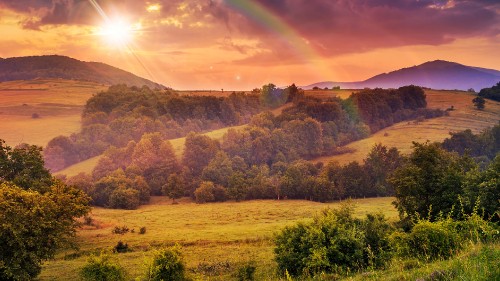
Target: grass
(401, 135)
(210, 234)
(479, 262)
(58, 102)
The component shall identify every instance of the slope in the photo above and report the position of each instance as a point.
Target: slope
(54, 66)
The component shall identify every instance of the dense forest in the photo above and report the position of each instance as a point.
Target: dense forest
(266, 159)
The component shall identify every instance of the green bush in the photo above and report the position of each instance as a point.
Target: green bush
(167, 265)
(334, 242)
(433, 240)
(246, 272)
(101, 268)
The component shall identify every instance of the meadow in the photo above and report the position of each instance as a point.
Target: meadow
(215, 238)
(59, 104)
(401, 135)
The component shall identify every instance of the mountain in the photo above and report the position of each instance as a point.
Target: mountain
(437, 74)
(54, 66)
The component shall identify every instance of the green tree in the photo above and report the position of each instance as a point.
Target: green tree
(199, 150)
(175, 187)
(379, 164)
(34, 225)
(272, 96)
(430, 182)
(24, 167)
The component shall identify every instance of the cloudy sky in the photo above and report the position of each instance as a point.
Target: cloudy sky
(236, 44)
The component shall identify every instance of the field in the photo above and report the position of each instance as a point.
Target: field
(59, 104)
(211, 235)
(401, 135)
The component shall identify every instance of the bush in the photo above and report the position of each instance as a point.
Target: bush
(102, 268)
(167, 265)
(120, 230)
(334, 242)
(124, 198)
(246, 272)
(121, 247)
(142, 230)
(433, 240)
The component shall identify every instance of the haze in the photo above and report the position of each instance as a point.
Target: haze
(235, 44)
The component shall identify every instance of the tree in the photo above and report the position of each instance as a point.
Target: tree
(430, 182)
(34, 225)
(272, 96)
(199, 150)
(479, 102)
(379, 164)
(24, 167)
(175, 187)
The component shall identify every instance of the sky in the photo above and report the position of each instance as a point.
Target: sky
(241, 45)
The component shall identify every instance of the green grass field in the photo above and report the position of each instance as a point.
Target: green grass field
(210, 234)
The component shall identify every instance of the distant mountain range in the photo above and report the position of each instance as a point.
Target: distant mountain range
(437, 74)
(54, 66)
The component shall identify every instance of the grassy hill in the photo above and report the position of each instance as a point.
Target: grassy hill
(211, 235)
(59, 104)
(401, 135)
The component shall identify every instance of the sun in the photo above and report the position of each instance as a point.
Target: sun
(117, 32)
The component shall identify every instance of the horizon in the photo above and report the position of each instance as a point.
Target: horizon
(241, 45)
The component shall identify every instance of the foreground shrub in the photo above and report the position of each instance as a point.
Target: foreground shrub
(246, 272)
(334, 242)
(101, 268)
(432, 240)
(167, 265)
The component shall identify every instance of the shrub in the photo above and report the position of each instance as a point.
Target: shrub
(35, 115)
(120, 230)
(102, 268)
(433, 240)
(246, 272)
(167, 265)
(334, 242)
(121, 247)
(124, 198)
(142, 230)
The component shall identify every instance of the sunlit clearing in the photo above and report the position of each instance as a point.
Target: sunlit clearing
(153, 8)
(118, 33)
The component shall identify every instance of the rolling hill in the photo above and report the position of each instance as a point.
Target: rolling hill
(61, 67)
(439, 74)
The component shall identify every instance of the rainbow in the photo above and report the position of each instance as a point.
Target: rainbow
(288, 34)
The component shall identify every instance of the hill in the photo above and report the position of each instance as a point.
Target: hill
(437, 74)
(54, 66)
(400, 135)
(57, 103)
